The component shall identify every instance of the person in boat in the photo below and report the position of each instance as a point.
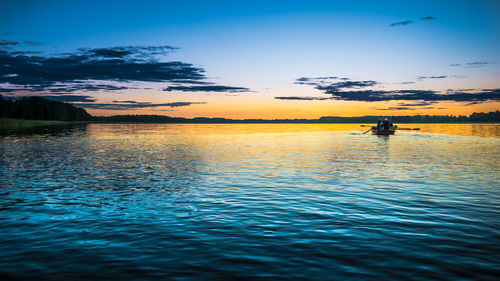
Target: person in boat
(379, 124)
(385, 124)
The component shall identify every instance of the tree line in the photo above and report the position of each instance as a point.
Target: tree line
(37, 108)
(474, 117)
(493, 116)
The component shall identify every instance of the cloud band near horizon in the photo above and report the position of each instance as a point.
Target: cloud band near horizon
(348, 90)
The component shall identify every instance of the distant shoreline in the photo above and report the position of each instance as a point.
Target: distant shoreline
(491, 117)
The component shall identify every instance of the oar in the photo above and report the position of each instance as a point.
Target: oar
(365, 125)
(367, 131)
(409, 129)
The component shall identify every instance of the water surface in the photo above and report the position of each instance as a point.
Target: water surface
(258, 201)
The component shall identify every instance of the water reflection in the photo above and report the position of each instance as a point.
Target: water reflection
(45, 130)
(239, 201)
(478, 130)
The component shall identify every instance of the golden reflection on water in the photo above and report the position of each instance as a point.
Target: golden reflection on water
(476, 130)
(330, 152)
(103, 130)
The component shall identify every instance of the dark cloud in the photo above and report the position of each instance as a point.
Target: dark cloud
(440, 77)
(406, 22)
(432, 77)
(84, 87)
(7, 90)
(305, 83)
(323, 78)
(108, 53)
(302, 98)
(70, 87)
(7, 44)
(125, 101)
(133, 105)
(424, 95)
(130, 52)
(423, 103)
(207, 88)
(69, 98)
(93, 69)
(89, 65)
(315, 81)
(408, 82)
(180, 82)
(302, 79)
(32, 43)
(471, 64)
(16, 53)
(339, 86)
(359, 91)
(396, 108)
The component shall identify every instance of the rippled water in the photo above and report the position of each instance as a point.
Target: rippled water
(267, 202)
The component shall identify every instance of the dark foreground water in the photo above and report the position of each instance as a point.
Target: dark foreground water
(255, 202)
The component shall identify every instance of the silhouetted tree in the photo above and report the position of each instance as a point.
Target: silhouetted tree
(38, 108)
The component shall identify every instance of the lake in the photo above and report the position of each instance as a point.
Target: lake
(251, 202)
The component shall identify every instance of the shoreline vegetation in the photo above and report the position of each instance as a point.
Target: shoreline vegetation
(490, 117)
(32, 113)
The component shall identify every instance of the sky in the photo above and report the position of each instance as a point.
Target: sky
(254, 59)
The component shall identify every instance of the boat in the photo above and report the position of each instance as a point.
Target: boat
(384, 128)
(380, 132)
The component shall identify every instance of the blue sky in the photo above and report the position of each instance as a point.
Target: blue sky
(265, 46)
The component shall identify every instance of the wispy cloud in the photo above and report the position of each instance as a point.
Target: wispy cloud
(396, 108)
(318, 80)
(302, 98)
(33, 43)
(432, 77)
(440, 77)
(7, 44)
(207, 88)
(128, 105)
(471, 64)
(423, 103)
(428, 18)
(407, 22)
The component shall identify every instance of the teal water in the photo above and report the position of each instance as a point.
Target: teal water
(251, 202)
